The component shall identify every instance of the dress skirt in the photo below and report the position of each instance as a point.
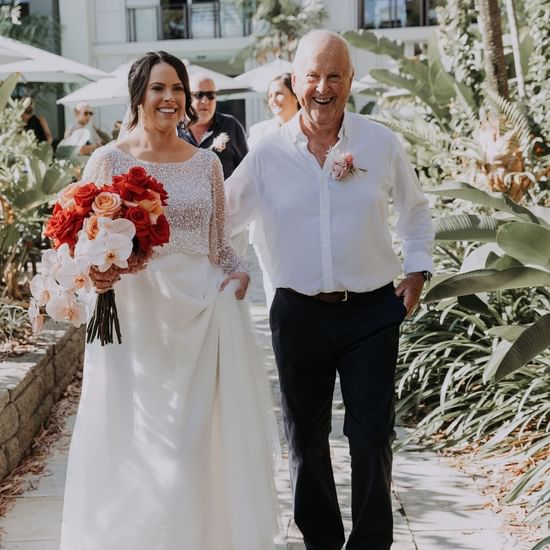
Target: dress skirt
(172, 447)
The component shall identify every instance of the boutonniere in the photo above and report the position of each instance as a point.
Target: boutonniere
(344, 166)
(220, 142)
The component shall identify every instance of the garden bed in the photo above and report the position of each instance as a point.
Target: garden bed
(30, 385)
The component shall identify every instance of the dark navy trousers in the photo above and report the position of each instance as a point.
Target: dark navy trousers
(358, 339)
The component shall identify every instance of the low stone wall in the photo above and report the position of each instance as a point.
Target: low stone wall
(31, 384)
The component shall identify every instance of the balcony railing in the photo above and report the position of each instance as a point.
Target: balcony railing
(380, 14)
(201, 20)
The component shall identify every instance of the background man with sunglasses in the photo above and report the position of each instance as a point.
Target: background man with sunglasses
(90, 141)
(205, 133)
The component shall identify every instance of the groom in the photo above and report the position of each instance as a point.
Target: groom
(322, 184)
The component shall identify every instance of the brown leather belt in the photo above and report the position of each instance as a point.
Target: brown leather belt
(328, 297)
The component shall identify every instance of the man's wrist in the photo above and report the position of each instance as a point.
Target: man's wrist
(426, 275)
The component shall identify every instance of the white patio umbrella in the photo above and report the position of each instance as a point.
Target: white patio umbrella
(8, 55)
(38, 65)
(258, 79)
(113, 89)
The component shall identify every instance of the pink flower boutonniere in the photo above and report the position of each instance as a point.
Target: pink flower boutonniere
(343, 166)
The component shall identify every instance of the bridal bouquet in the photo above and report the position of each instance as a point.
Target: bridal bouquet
(98, 233)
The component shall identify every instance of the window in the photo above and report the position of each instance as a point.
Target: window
(181, 19)
(383, 14)
(142, 24)
(174, 23)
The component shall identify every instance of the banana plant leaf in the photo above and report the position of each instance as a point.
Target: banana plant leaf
(527, 242)
(473, 303)
(367, 40)
(542, 544)
(466, 227)
(9, 235)
(494, 261)
(507, 332)
(441, 83)
(419, 89)
(485, 280)
(465, 191)
(532, 341)
(6, 89)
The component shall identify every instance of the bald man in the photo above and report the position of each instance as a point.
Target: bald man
(323, 184)
(219, 132)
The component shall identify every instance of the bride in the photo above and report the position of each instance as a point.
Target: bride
(172, 447)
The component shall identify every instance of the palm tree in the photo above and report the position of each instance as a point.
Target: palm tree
(495, 65)
(278, 25)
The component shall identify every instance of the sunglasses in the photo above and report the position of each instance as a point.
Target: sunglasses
(208, 95)
(89, 113)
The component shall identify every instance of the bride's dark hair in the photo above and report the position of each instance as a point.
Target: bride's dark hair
(139, 76)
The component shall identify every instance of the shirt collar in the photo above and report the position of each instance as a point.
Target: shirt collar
(297, 135)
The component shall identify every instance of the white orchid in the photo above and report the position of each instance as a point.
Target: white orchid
(74, 275)
(65, 307)
(52, 260)
(122, 226)
(36, 318)
(108, 249)
(43, 288)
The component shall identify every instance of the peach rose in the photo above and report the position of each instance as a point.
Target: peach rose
(91, 227)
(153, 206)
(107, 205)
(66, 196)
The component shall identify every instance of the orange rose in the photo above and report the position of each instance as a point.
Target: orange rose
(91, 227)
(66, 196)
(152, 206)
(107, 205)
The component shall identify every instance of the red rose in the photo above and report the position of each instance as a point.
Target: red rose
(120, 184)
(160, 232)
(86, 195)
(63, 227)
(157, 187)
(140, 218)
(137, 179)
(144, 242)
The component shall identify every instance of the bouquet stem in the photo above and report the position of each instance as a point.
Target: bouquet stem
(104, 322)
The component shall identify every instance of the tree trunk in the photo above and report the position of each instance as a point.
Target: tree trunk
(491, 30)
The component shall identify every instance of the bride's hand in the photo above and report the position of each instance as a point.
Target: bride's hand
(243, 279)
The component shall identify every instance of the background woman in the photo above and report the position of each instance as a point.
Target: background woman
(284, 105)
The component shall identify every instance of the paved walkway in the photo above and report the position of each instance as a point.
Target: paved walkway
(435, 506)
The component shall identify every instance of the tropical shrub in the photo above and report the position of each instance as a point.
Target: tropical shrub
(455, 127)
(29, 180)
(475, 366)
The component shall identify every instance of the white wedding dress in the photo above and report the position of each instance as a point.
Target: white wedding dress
(172, 445)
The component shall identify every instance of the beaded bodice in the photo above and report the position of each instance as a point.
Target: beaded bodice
(196, 205)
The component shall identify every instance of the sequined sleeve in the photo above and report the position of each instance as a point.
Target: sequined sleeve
(97, 169)
(221, 252)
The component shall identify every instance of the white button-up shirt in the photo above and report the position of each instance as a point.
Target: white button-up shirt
(323, 234)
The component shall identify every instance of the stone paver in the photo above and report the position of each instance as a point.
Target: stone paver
(435, 506)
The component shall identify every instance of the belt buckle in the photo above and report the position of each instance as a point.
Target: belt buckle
(345, 298)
